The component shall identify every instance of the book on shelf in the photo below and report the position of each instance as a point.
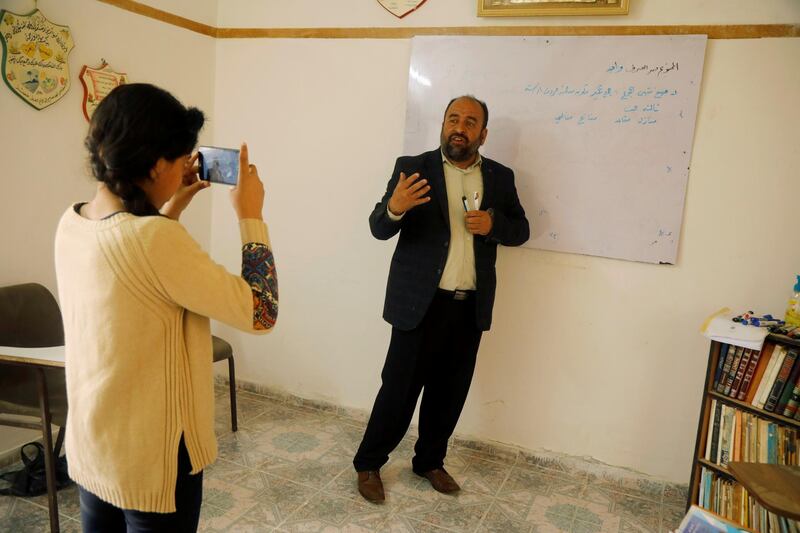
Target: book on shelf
(772, 449)
(750, 427)
(725, 432)
(761, 367)
(762, 444)
(740, 371)
(713, 430)
(721, 361)
(748, 375)
(770, 375)
(780, 381)
(736, 455)
(788, 388)
(730, 355)
(731, 376)
(727, 354)
(794, 401)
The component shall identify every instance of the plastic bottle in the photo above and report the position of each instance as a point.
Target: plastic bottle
(793, 309)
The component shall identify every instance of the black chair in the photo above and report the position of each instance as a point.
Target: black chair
(30, 318)
(222, 351)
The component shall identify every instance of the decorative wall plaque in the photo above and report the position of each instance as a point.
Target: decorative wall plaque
(97, 83)
(401, 8)
(35, 54)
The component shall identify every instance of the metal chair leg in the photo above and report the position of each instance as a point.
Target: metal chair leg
(49, 460)
(232, 383)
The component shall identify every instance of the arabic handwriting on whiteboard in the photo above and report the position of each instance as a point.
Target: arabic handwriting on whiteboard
(562, 117)
(658, 70)
(597, 91)
(641, 101)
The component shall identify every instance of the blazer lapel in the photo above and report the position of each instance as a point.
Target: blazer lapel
(487, 170)
(435, 177)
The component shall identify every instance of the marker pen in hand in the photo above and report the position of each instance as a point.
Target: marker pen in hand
(464, 201)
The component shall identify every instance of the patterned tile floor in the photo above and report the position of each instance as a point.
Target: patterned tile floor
(288, 469)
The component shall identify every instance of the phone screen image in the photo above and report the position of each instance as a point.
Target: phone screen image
(219, 165)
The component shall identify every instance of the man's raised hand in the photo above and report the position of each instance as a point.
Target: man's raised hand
(409, 193)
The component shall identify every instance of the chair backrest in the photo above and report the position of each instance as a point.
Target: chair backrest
(29, 317)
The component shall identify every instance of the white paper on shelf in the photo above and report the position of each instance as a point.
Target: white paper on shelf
(720, 327)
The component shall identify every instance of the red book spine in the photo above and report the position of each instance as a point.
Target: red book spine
(737, 357)
(743, 364)
(748, 376)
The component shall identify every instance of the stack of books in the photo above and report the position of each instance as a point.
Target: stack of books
(768, 379)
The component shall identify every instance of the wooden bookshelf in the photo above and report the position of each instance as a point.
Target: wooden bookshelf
(705, 419)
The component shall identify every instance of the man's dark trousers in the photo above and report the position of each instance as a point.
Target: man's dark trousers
(437, 356)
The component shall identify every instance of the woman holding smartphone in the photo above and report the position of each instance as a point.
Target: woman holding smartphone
(136, 294)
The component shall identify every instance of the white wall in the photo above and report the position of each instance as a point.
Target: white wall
(588, 356)
(44, 163)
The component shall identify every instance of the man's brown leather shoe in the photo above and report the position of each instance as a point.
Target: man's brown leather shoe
(441, 480)
(370, 486)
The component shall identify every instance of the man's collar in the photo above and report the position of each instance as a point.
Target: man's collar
(477, 163)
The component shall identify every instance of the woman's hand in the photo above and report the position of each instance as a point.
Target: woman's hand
(190, 185)
(248, 195)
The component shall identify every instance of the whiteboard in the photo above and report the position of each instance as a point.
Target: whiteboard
(598, 130)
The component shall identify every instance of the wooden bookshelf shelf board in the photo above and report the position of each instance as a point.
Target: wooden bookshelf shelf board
(777, 487)
(783, 339)
(755, 410)
(717, 468)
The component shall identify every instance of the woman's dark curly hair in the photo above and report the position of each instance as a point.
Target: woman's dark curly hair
(133, 127)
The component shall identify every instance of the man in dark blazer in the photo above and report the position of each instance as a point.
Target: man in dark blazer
(451, 208)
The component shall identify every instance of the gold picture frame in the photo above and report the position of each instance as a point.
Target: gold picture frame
(536, 8)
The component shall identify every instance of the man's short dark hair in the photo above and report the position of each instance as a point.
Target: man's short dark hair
(477, 101)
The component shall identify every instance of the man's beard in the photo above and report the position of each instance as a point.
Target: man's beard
(459, 153)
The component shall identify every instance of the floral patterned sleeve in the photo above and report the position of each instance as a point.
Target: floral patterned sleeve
(258, 270)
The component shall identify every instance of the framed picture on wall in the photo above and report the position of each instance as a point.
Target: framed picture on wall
(535, 8)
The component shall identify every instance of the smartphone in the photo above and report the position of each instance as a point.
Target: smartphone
(218, 165)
